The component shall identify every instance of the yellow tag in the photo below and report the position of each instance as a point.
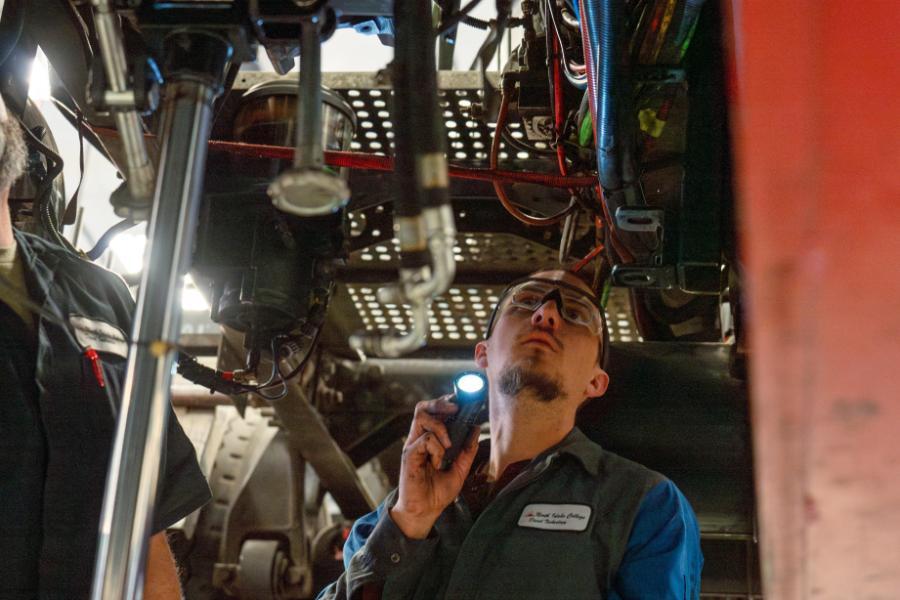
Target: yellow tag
(159, 348)
(650, 124)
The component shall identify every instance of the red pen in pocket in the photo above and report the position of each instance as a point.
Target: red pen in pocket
(92, 356)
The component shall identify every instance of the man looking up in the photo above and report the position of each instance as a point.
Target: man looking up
(539, 511)
(62, 368)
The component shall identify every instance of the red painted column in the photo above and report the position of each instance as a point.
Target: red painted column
(816, 120)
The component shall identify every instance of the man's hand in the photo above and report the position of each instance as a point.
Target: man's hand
(425, 490)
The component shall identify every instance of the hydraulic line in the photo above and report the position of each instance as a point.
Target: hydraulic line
(588, 258)
(423, 217)
(558, 106)
(601, 32)
(377, 162)
(498, 187)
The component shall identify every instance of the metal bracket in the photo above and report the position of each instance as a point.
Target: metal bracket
(642, 219)
(659, 278)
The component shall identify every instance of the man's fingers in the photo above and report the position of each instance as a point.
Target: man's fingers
(430, 415)
(425, 449)
(439, 406)
(427, 423)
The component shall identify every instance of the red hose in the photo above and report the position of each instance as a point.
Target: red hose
(374, 162)
(558, 108)
(498, 186)
(588, 258)
(623, 252)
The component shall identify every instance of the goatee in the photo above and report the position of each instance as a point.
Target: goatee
(517, 379)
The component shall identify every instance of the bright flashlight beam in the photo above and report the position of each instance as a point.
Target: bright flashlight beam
(470, 383)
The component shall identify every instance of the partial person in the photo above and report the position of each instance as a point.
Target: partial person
(538, 510)
(64, 325)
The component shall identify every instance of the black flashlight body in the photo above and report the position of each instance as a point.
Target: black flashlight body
(460, 424)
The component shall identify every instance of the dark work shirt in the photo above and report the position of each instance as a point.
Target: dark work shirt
(57, 425)
(477, 491)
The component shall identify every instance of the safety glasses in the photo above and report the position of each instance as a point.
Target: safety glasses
(574, 304)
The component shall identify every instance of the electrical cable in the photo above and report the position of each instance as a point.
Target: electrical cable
(578, 80)
(104, 240)
(42, 194)
(84, 128)
(520, 144)
(71, 212)
(276, 373)
(296, 370)
(475, 23)
(498, 187)
(558, 107)
(454, 19)
(617, 245)
(588, 258)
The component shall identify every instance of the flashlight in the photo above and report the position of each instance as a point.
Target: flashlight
(469, 394)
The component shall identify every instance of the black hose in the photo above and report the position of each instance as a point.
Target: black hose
(476, 23)
(406, 202)
(460, 15)
(429, 140)
(43, 193)
(103, 243)
(419, 143)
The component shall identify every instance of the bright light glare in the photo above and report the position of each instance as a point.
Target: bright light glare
(39, 84)
(129, 249)
(191, 298)
(470, 383)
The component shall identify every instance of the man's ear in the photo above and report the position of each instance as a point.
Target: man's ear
(598, 383)
(481, 354)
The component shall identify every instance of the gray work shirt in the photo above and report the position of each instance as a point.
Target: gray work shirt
(558, 530)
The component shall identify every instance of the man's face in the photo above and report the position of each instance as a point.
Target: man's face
(542, 353)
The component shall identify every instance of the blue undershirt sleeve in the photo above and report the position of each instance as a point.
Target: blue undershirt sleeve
(360, 532)
(377, 554)
(663, 558)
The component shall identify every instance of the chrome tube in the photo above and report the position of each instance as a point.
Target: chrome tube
(131, 485)
(309, 100)
(396, 344)
(441, 228)
(139, 169)
(307, 189)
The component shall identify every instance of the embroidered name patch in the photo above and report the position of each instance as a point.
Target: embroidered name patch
(559, 517)
(99, 335)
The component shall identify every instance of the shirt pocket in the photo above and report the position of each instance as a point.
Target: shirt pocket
(102, 381)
